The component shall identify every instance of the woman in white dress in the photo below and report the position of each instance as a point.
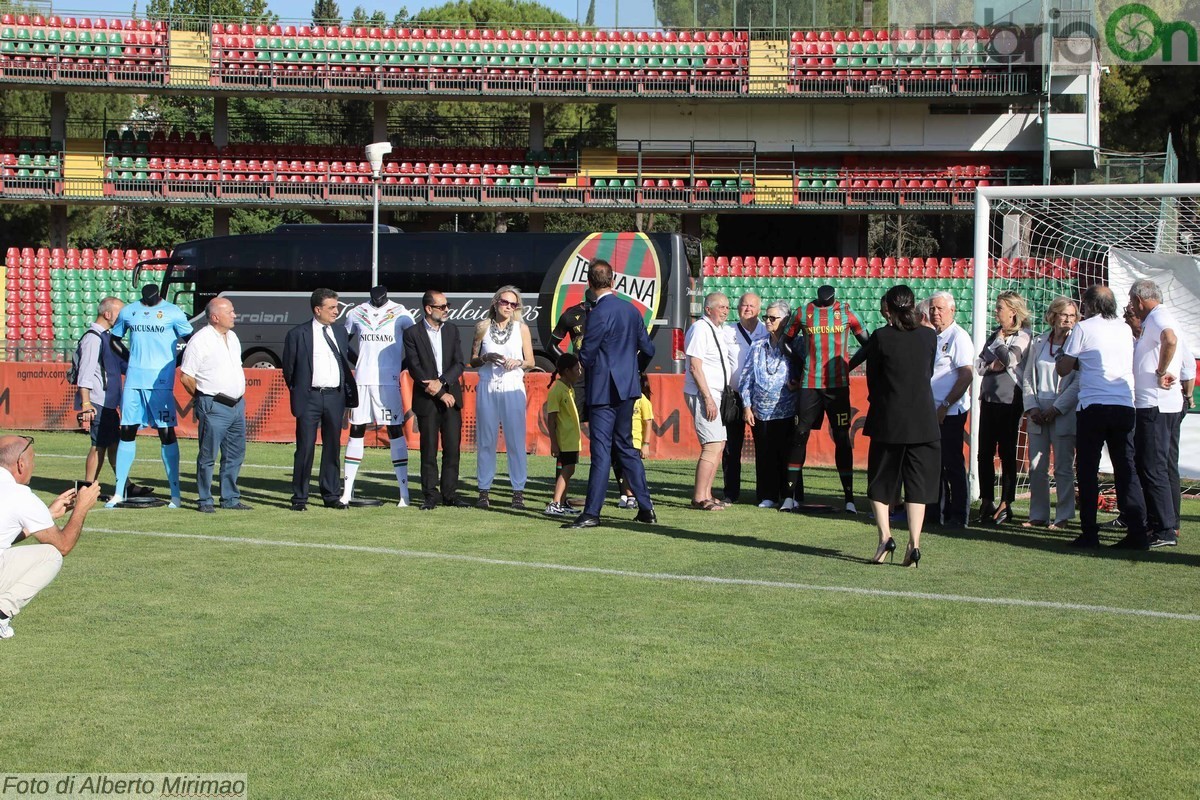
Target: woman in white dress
(502, 351)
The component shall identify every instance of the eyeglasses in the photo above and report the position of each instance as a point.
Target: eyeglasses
(442, 307)
(508, 304)
(769, 318)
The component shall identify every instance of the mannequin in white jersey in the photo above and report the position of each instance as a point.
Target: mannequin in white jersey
(379, 326)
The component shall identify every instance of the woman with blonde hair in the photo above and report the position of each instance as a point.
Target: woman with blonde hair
(1001, 364)
(1050, 403)
(502, 351)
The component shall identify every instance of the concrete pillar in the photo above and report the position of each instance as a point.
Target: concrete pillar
(58, 226)
(58, 117)
(221, 121)
(537, 126)
(220, 221)
(381, 116)
(537, 223)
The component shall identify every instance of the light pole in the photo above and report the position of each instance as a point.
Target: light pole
(375, 154)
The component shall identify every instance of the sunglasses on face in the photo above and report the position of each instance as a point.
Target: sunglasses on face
(442, 307)
(508, 304)
(769, 318)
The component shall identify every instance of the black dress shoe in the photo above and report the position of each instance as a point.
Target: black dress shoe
(239, 506)
(458, 502)
(299, 507)
(1085, 540)
(338, 504)
(428, 505)
(206, 508)
(1131, 542)
(646, 515)
(585, 521)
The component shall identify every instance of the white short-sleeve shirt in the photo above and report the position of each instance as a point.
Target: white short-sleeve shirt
(954, 351)
(215, 362)
(21, 511)
(739, 347)
(702, 342)
(1104, 348)
(1146, 352)
(1187, 361)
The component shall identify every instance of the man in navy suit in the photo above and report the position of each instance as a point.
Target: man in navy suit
(615, 349)
(316, 369)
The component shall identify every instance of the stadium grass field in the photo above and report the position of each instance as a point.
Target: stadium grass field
(384, 653)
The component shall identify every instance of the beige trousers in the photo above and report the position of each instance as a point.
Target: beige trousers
(25, 571)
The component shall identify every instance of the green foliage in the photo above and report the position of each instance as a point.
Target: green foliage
(227, 10)
(764, 13)
(485, 13)
(1140, 105)
(326, 12)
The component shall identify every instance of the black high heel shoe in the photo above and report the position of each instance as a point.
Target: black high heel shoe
(913, 559)
(888, 548)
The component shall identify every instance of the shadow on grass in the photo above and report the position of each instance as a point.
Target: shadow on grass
(1058, 542)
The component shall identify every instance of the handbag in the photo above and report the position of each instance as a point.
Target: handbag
(730, 410)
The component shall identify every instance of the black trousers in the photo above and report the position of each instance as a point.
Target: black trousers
(1173, 463)
(731, 459)
(323, 410)
(772, 444)
(999, 424)
(1151, 453)
(834, 405)
(444, 424)
(954, 499)
(1096, 426)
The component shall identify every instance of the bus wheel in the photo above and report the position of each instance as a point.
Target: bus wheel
(260, 359)
(542, 364)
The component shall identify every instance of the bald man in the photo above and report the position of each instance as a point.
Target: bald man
(213, 374)
(1101, 348)
(26, 570)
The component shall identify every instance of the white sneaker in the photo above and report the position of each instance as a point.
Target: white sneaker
(6, 631)
(176, 502)
(402, 504)
(850, 508)
(631, 502)
(114, 501)
(788, 505)
(767, 504)
(623, 502)
(555, 510)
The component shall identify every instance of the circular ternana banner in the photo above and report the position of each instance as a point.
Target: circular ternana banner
(637, 273)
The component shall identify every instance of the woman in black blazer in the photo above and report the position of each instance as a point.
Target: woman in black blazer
(902, 423)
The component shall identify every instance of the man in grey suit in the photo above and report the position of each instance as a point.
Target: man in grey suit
(316, 369)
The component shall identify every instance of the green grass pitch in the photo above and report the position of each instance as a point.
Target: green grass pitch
(453, 654)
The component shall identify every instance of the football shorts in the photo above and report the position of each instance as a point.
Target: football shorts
(148, 408)
(381, 405)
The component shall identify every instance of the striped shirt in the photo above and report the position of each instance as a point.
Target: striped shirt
(827, 331)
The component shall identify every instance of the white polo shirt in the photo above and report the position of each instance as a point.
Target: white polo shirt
(1187, 362)
(954, 351)
(215, 362)
(701, 342)
(739, 347)
(1146, 352)
(1104, 348)
(21, 511)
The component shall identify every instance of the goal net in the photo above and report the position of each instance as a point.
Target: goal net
(1051, 241)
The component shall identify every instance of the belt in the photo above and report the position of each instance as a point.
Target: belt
(326, 389)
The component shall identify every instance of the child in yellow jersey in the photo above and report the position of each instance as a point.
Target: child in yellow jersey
(562, 422)
(643, 417)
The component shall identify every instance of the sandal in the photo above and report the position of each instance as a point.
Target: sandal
(1035, 523)
(707, 505)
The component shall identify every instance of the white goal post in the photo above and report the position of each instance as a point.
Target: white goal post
(1056, 240)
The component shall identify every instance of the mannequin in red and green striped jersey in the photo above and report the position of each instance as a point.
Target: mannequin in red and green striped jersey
(822, 330)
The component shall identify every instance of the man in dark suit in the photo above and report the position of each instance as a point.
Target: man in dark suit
(434, 361)
(316, 369)
(615, 350)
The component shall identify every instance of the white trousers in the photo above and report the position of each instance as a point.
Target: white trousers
(494, 408)
(25, 571)
(1043, 438)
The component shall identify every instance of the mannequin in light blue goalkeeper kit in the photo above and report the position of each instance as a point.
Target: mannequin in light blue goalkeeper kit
(151, 327)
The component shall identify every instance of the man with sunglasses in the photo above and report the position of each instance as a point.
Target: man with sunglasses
(25, 571)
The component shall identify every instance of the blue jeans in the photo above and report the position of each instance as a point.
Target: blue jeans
(223, 427)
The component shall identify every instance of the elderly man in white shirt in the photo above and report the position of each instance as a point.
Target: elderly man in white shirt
(950, 382)
(213, 374)
(1157, 359)
(26, 570)
(709, 370)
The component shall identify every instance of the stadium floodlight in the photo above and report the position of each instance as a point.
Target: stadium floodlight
(375, 154)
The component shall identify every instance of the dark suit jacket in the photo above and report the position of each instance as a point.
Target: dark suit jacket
(615, 349)
(418, 360)
(900, 398)
(298, 360)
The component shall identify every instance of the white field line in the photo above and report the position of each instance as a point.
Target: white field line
(667, 576)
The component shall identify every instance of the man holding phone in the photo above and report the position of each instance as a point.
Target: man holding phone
(25, 571)
(212, 373)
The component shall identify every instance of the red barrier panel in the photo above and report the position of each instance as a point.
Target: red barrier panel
(36, 396)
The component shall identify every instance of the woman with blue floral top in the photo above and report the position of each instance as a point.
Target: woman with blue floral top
(770, 406)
